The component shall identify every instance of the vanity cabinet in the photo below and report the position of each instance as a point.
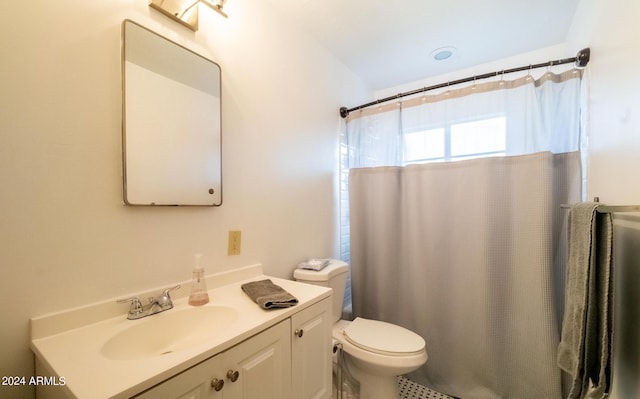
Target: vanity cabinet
(290, 360)
(280, 354)
(259, 367)
(311, 348)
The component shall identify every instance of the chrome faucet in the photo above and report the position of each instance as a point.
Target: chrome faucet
(156, 305)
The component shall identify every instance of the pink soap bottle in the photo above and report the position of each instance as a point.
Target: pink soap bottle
(199, 295)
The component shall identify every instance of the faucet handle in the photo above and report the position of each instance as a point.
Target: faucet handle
(164, 300)
(166, 292)
(136, 305)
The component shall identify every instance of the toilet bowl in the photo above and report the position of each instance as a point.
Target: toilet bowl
(376, 352)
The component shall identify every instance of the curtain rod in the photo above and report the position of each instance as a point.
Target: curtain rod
(580, 60)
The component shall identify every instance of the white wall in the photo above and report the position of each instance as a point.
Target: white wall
(612, 32)
(66, 239)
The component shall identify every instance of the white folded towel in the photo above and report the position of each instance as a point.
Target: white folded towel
(314, 264)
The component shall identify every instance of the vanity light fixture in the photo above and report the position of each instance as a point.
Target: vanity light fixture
(186, 11)
(216, 5)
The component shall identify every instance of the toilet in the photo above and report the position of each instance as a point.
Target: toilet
(376, 352)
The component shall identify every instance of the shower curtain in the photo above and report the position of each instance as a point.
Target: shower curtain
(470, 256)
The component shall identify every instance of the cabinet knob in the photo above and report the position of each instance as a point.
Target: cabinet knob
(298, 332)
(217, 384)
(233, 375)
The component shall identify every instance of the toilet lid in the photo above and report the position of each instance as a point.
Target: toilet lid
(384, 338)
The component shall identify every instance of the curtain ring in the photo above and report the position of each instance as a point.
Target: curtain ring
(549, 65)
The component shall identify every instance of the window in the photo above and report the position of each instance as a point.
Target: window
(424, 146)
(457, 141)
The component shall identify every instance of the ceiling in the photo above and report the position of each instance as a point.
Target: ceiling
(389, 42)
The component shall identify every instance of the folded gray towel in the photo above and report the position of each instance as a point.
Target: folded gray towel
(585, 348)
(269, 295)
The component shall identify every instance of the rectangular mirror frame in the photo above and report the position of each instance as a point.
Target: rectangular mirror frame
(168, 157)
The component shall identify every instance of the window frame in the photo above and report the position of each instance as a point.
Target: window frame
(447, 127)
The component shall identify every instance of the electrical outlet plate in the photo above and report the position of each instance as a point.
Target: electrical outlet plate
(235, 237)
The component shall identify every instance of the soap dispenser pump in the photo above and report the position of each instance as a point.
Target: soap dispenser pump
(199, 295)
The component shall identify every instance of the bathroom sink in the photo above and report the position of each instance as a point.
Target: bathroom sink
(168, 332)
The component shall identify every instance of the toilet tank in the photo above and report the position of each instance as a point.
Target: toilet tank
(333, 276)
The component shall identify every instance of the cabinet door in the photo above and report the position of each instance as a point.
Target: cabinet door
(263, 366)
(194, 383)
(311, 351)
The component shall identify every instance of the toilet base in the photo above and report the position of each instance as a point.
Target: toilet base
(380, 388)
(374, 386)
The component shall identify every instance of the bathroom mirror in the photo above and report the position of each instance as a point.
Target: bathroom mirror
(171, 131)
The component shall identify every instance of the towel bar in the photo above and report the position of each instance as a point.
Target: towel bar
(611, 208)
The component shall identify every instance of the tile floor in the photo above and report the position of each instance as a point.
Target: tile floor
(413, 390)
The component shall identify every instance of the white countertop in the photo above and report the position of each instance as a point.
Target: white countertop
(73, 350)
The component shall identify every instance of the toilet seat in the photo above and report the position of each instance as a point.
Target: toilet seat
(383, 338)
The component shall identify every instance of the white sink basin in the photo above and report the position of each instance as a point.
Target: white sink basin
(167, 332)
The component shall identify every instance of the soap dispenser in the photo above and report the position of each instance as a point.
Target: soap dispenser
(199, 295)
